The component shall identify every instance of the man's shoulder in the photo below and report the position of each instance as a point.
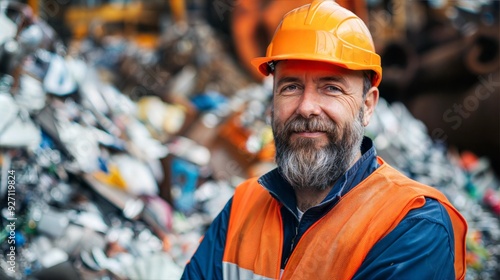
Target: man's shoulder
(396, 178)
(421, 244)
(432, 211)
(429, 222)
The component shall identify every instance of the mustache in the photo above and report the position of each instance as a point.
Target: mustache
(316, 124)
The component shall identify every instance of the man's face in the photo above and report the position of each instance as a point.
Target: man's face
(317, 121)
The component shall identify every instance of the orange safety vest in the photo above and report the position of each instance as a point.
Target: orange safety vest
(335, 246)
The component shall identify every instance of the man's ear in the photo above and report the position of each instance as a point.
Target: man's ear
(369, 104)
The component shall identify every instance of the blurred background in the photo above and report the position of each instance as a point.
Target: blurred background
(125, 125)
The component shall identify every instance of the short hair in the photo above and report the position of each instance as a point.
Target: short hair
(367, 81)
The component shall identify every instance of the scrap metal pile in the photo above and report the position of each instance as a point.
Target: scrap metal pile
(467, 181)
(123, 156)
(96, 183)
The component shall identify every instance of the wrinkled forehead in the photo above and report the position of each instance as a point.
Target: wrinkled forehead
(285, 66)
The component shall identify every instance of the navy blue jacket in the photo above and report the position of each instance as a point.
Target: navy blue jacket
(420, 247)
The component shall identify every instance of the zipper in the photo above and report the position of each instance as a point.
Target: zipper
(293, 243)
(296, 233)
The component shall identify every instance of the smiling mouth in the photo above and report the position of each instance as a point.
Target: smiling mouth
(308, 133)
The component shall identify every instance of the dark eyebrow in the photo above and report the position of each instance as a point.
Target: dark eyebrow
(339, 79)
(289, 79)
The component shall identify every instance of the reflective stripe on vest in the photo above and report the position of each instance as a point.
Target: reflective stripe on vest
(335, 246)
(233, 271)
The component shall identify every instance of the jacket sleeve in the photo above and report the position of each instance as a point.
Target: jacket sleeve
(420, 247)
(206, 262)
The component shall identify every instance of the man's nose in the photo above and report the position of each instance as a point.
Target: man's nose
(309, 104)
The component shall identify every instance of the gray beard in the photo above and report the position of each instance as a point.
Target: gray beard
(307, 167)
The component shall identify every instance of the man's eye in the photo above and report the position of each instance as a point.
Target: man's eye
(289, 88)
(332, 90)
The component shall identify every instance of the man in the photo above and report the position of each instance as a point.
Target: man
(332, 209)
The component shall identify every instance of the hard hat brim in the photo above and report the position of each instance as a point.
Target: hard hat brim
(262, 64)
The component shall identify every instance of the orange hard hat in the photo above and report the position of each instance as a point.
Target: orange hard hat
(322, 31)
